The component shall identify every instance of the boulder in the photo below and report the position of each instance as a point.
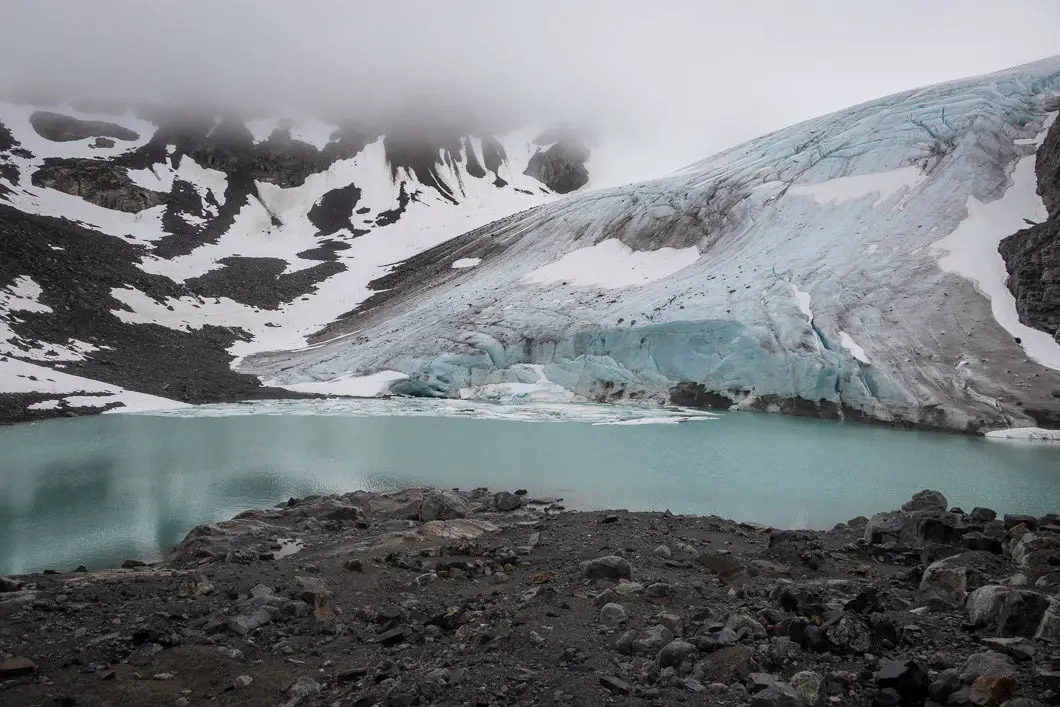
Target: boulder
(651, 641)
(1011, 520)
(906, 677)
(1006, 611)
(612, 614)
(728, 569)
(675, 652)
(609, 567)
(987, 663)
(1037, 554)
(982, 515)
(848, 634)
(507, 501)
(1049, 627)
(954, 577)
(439, 504)
(810, 687)
(926, 500)
(779, 695)
(991, 690)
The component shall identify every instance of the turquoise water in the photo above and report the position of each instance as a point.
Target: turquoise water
(98, 490)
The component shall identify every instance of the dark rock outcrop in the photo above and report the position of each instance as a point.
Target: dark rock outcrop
(63, 128)
(1032, 255)
(561, 167)
(100, 183)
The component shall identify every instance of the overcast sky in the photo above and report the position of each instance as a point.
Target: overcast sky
(669, 80)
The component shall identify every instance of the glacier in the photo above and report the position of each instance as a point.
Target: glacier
(833, 268)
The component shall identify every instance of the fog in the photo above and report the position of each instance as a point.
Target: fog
(664, 83)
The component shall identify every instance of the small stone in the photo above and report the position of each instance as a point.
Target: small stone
(663, 552)
(145, 654)
(987, 663)
(16, 667)
(624, 643)
(609, 518)
(260, 590)
(242, 681)
(612, 614)
(811, 688)
(693, 685)
(675, 652)
(779, 695)
(651, 641)
(947, 683)
(163, 676)
(760, 681)
(658, 590)
(992, 690)
(301, 689)
(354, 565)
(506, 501)
(610, 567)
(132, 564)
(10, 584)
(1019, 648)
(906, 677)
(614, 685)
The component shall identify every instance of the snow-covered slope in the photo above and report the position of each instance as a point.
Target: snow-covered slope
(845, 266)
(129, 237)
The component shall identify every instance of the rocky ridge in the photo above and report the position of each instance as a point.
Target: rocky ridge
(429, 596)
(1032, 255)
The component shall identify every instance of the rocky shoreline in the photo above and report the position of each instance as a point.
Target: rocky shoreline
(436, 597)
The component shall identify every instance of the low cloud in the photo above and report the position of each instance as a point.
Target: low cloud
(671, 81)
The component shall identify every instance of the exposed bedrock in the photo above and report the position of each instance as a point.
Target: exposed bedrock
(63, 128)
(562, 166)
(1032, 256)
(100, 183)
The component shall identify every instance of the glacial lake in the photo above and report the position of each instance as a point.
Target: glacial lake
(98, 490)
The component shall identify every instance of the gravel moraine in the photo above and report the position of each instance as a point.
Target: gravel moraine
(443, 597)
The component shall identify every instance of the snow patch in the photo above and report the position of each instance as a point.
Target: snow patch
(612, 264)
(466, 263)
(850, 345)
(22, 377)
(804, 299)
(883, 184)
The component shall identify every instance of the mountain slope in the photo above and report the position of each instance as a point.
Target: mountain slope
(846, 266)
(145, 250)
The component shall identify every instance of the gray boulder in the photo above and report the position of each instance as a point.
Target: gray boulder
(810, 687)
(926, 500)
(1006, 611)
(1049, 627)
(675, 652)
(987, 663)
(651, 641)
(507, 501)
(1037, 554)
(439, 504)
(609, 567)
(954, 577)
(779, 695)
